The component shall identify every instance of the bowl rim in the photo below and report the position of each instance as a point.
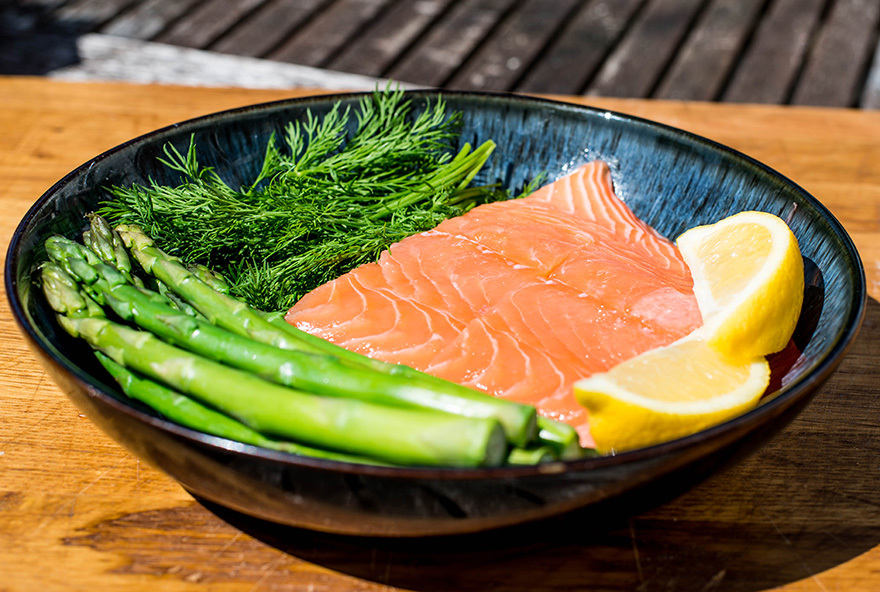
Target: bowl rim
(785, 397)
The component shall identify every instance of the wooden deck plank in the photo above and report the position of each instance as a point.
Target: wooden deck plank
(513, 46)
(870, 98)
(771, 63)
(812, 52)
(373, 52)
(147, 19)
(87, 15)
(268, 27)
(837, 62)
(41, 4)
(199, 27)
(446, 45)
(109, 57)
(327, 34)
(636, 65)
(710, 51)
(575, 56)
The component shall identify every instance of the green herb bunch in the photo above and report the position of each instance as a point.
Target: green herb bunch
(332, 194)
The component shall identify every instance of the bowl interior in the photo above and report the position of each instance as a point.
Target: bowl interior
(671, 179)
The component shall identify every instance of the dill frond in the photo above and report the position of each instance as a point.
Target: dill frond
(332, 193)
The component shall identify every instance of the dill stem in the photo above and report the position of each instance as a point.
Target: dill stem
(460, 169)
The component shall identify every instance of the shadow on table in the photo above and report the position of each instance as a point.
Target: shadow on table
(32, 45)
(804, 503)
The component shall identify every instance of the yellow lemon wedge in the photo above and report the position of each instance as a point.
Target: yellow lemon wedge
(748, 282)
(667, 393)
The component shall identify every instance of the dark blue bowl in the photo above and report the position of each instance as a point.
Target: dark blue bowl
(672, 179)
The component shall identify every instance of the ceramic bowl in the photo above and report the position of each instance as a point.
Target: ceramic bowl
(671, 179)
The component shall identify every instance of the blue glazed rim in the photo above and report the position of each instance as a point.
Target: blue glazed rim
(771, 407)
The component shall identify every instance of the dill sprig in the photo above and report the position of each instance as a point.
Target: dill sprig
(325, 200)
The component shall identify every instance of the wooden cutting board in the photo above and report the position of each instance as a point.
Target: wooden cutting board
(77, 512)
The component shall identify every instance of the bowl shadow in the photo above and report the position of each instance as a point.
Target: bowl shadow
(802, 504)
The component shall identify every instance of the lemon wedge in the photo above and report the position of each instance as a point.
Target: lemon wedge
(748, 281)
(749, 285)
(668, 392)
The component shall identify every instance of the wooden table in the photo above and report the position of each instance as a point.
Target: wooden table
(77, 512)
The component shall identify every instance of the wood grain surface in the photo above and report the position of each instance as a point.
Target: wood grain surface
(77, 512)
(808, 52)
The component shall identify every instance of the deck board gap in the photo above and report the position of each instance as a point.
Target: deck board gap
(624, 33)
(557, 32)
(85, 16)
(634, 67)
(869, 95)
(613, 46)
(367, 25)
(250, 37)
(475, 50)
(842, 51)
(682, 41)
(246, 16)
(869, 65)
(442, 15)
(749, 39)
(822, 22)
(174, 20)
(499, 26)
(811, 45)
(449, 43)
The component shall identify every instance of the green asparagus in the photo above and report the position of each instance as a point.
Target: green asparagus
(560, 436)
(409, 437)
(412, 388)
(192, 414)
(314, 373)
(400, 436)
(304, 363)
(65, 297)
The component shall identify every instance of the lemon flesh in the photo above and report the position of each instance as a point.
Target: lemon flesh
(749, 285)
(748, 281)
(667, 393)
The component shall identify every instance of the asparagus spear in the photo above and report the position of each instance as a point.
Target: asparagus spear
(131, 303)
(318, 374)
(400, 436)
(63, 294)
(561, 437)
(64, 297)
(107, 245)
(531, 456)
(412, 387)
(192, 414)
(558, 435)
(408, 437)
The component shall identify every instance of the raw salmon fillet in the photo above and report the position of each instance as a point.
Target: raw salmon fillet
(520, 298)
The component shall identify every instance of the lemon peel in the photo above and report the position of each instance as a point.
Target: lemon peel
(667, 393)
(748, 282)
